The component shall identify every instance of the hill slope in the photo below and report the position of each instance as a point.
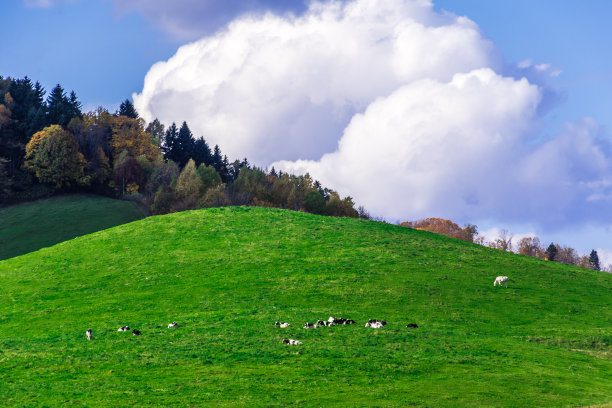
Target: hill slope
(227, 274)
(34, 225)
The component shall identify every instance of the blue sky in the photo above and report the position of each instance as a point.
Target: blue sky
(103, 54)
(104, 50)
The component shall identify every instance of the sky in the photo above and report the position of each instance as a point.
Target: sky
(492, 113)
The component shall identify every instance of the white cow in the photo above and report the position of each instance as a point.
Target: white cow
(375, 325)
(173, 324)
(291, 341)
(501, 279)
(283, 325)
(89, 334)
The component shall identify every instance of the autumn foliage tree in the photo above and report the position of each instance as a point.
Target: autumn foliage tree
(53, 156)
(530, 246)
(129, 134)
(444, 227)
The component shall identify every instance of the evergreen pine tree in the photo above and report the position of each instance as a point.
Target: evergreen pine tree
(75, 106)
(217, 159)
(594, 260)
(551, 252)
(127, 109)
(58, 107)
(201, 152)
(185, 146)
(170, 141)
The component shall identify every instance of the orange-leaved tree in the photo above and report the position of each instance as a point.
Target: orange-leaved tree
(443, 227)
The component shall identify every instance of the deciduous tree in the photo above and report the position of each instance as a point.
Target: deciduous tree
(53, 156)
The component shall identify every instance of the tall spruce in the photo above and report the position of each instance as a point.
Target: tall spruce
(201, 152)
(185, 145)
(127, 109)
(594, 260)
(217, 159)
(169, 142)
(58, 107)
(551, 252)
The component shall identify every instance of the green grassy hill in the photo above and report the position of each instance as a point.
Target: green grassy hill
(227, 274)
(30, 226)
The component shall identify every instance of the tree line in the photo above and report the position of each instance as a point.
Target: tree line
(528, 246)
(50, 146)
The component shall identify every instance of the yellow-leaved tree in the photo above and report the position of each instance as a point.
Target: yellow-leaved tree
(129, 135)
(53, 156)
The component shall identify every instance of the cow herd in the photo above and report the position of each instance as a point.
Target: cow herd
(334, 321)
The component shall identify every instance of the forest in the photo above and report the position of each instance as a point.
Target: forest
(49, 146)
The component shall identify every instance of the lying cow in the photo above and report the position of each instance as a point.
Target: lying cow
(340, 320)
(375, 325)
(291, 341)
(136, 332)
(89, 334)
(377, 321)
(322, 323)
(173, 324)
(412, 326)
(123, 328)
(283, 325)
(310, 326)
(501, 279)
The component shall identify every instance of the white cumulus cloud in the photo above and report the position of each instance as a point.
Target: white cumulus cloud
(432, 147)
(275, 87)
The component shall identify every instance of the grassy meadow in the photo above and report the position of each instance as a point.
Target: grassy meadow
(30, 226)
(227, 274)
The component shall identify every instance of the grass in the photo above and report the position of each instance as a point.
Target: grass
(27, 227)
(227, 274)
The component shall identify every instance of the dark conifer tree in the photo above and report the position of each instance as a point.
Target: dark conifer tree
(201, 152)
(594, 260)
(551, 252)
(217, 159)
(185, 145)
(170, 142)
(59, 109)
(75, 106)
(226, 173)
(127, 109)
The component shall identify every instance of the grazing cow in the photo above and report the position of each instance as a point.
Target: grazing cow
(310, 326)
(173, 324)
(291, 341)
(124, 328)
(412, 326)
(501, 279)
(136, 332)
(89, 334)
(282, 325)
